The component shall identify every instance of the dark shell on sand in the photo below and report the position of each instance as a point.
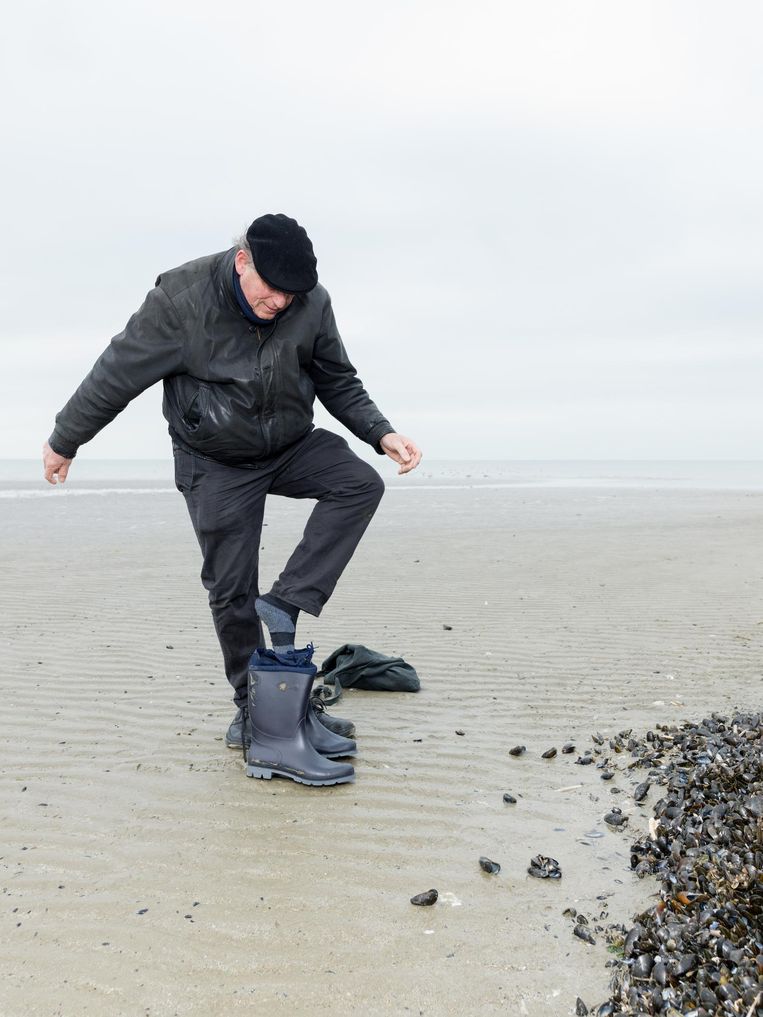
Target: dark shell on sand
(549, 753)
(425, 899)
(641, 791)
(543, 867)
(509, 799)
(517, 750)
(615, 818)
(580, 1008)
(568, 747)
(489, 866)
(582, 933)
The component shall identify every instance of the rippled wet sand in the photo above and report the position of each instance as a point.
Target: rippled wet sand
(144, 874)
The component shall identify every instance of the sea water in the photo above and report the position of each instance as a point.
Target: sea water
(22, 478)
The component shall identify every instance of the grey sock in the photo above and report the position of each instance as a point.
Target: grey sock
(280, 619)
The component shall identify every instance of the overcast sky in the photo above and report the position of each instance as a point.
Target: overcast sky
(540, 222)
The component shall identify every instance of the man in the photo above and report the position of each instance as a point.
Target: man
(244, 340)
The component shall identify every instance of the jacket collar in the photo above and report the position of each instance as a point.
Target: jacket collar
(225, 282)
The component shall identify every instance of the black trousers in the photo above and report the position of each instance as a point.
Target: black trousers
(226, 505)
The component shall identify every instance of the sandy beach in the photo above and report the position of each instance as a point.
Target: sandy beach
(143, 874)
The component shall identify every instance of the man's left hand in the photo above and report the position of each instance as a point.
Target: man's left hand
(402, 450)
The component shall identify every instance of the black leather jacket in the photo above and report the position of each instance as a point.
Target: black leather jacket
(231, 393)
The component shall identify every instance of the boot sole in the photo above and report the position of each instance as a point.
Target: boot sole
(259, 771)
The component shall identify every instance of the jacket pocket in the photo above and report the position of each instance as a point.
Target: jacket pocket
(195, 412)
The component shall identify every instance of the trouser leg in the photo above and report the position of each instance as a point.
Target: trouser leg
(226, 507)
(348, 492)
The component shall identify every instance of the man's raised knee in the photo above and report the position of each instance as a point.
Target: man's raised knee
(374, 484)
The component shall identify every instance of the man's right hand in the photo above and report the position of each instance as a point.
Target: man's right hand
(56, 466)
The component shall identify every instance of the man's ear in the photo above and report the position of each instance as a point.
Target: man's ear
(241, 261)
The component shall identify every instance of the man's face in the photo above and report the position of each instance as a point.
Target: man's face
(263, 299)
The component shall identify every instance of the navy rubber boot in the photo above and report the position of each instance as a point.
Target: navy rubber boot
(279, 745)
(322, 738)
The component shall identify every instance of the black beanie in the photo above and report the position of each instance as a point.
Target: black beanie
(282, 253)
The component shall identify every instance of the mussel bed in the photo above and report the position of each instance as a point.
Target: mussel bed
(699, 951)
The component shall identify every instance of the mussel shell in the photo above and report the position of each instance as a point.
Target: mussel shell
(642, 965)
(489, 866)
(543, 867)
(425, 899)
(728, 993)
(632, 938)
(517, 750)
(615, 819)
(660, 973)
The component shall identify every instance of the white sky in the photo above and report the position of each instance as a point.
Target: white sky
(541, 223)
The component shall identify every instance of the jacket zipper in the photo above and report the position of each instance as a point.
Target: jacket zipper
(260, 343)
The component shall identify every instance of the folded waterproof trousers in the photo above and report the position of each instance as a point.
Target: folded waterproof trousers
(226, 505)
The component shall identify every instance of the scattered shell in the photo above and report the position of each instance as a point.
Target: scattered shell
(509, 799)
(641, 791)
(607, 775)
(517, 750)
(549, 753)
(584, 760)
(568, 747)
(580, 1008)
(425, 899)
(489, 866)
(448, 628)
(615, 818)
(543, 867)
(582, 933)
(460, 732)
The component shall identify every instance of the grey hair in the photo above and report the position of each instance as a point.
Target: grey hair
(243, 245)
